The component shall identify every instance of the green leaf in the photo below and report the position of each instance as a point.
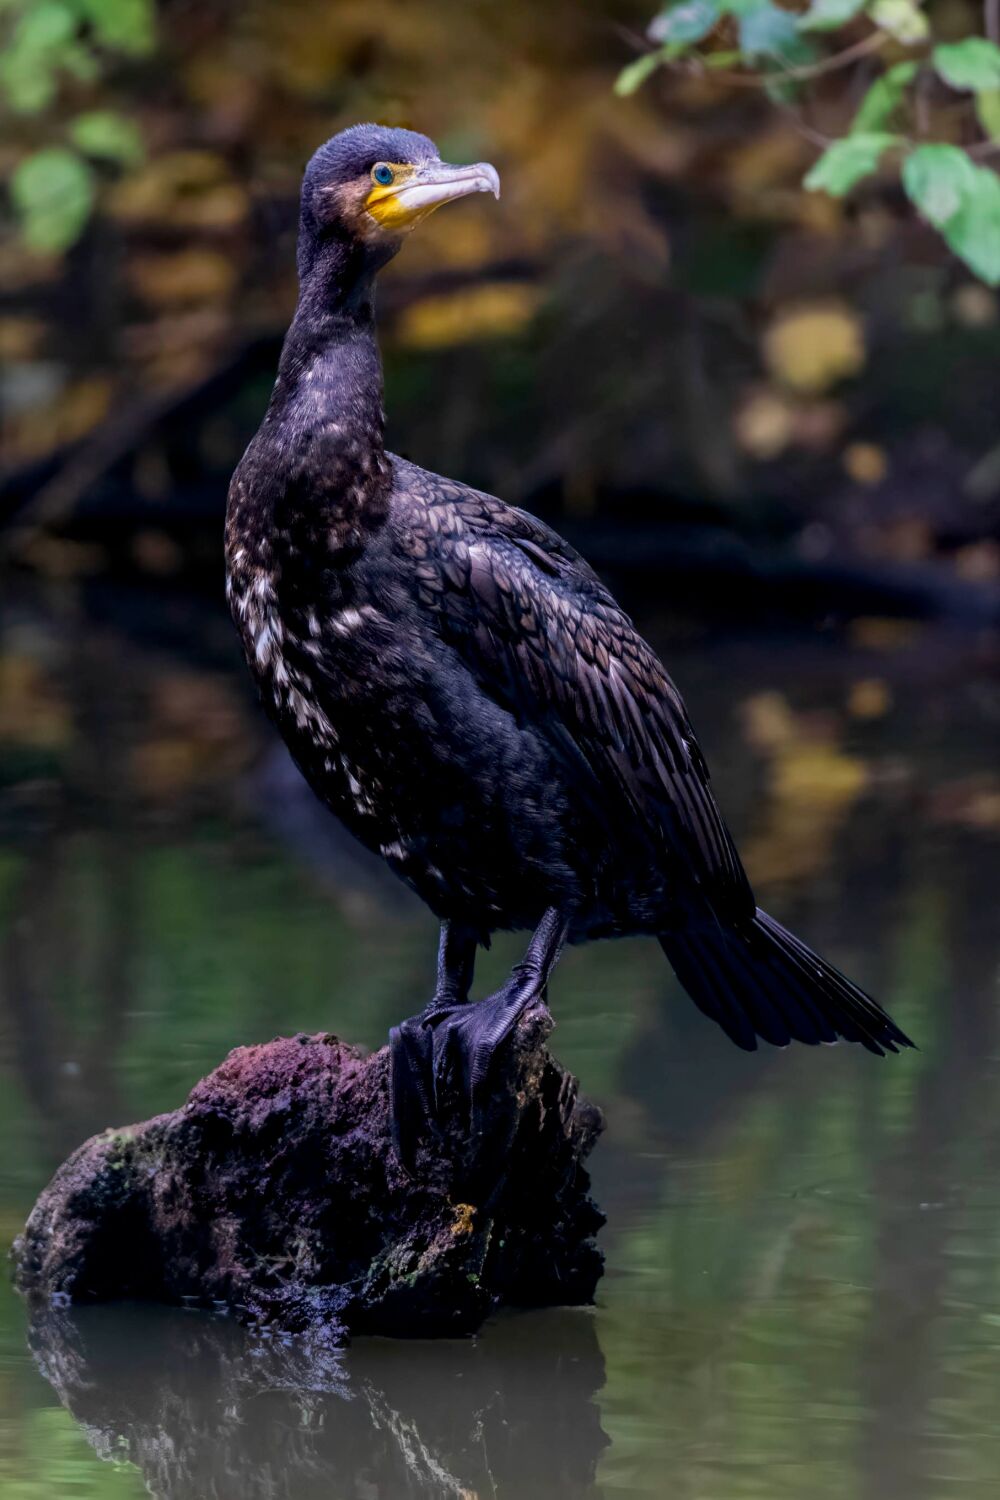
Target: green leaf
(769, 31)
(960, 199)
(846, 162)
(123, 25)
(80, 63)
(28, 90)
(975, 235)
(884, 97)
(765, 30)
(938, 179)
(29, 60)
(108, 136)
(45, 27)
(973, 64)
(53, 193)
(688, 22)
(988, 112)
(825, 15)
(743, 7)
(902, 19)
(634, 74)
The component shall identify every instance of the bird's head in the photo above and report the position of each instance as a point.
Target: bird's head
(370, 185)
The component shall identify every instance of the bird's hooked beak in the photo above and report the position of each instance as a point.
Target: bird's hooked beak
(416, 190)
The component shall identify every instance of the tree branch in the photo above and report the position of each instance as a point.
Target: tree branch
(865, 48)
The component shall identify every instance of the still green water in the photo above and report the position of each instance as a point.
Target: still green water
(802, 1296)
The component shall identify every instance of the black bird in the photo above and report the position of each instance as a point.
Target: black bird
(462, 690)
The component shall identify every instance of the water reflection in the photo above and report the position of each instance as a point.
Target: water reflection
(802, 1295)
(203, 1408)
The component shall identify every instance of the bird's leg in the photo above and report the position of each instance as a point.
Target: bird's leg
(454, 1039)
(410, 1044)
(456, 965)
(466, 1039)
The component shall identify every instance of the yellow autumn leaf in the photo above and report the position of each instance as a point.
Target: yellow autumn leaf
(811, 347)
(31, 711)
(20, 337)
(182, 277)
(769, 421)
(768, 722)
(75, 410)
(874, 633)
(765, 424)
(971, 802)
(164, 768)
(489, 311)
(865, 463)
(975, 306)
(195, 736)
(869, 698)
(811, 786)
(766, 161)
(817, 777)
(185, 189)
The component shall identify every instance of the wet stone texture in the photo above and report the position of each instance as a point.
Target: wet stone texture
(275, 1191)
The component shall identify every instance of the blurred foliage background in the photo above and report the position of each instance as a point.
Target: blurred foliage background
(746, 401)
(658, 324)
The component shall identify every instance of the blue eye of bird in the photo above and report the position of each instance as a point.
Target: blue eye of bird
(383, 174)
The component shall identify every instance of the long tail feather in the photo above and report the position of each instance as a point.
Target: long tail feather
(762, 981)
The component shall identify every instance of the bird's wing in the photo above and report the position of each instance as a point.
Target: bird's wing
(546, 638)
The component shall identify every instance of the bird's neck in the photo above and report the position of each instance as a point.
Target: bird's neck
(330, 373)
(326, 417)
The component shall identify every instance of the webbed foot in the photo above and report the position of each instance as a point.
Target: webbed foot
(449, 1048)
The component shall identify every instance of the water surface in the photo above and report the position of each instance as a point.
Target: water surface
(803, 1288)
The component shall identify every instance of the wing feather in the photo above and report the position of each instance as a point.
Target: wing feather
(546, 638)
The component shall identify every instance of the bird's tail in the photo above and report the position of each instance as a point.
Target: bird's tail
(762, 981)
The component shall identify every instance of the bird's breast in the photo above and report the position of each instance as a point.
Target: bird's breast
(306, 664)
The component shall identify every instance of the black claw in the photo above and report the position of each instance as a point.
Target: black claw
(449, 1048)
(407, 1094)
(444, 1056)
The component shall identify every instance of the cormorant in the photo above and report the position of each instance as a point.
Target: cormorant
(461, 689)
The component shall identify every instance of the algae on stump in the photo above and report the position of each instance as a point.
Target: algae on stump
(275, 1190)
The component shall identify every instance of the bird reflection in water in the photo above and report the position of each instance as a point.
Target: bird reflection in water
(203, 1407)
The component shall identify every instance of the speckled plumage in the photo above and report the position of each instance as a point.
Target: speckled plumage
(461, 689)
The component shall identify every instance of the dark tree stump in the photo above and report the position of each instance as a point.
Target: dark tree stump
(275, 1191)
